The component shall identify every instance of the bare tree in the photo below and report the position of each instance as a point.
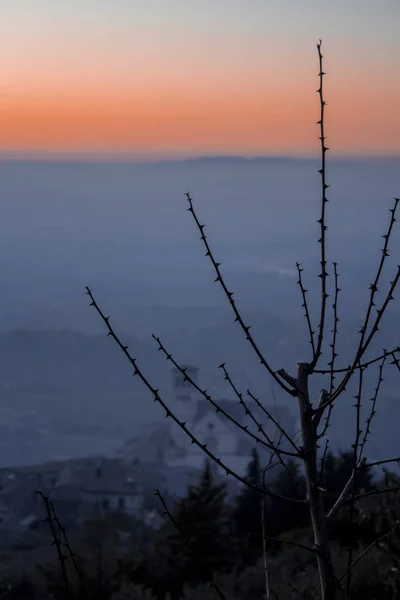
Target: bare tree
(311, 411)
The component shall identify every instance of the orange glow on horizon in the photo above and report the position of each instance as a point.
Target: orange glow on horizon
(274, 118)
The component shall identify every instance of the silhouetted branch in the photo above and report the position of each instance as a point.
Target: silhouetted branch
(364, 365)
(60, 541)
(334, 331)
(62, 559)
(229, 295)
(379, 463)
(323, 227)
(373, 407)
(287, 542)
(321, 471)
(374, 492)
(306, 309)
(365, 340)
(363, 553)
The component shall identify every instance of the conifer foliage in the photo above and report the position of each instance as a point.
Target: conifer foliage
(202, 525)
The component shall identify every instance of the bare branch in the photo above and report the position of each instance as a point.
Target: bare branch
(58, 532)
(363, 553)
(365, 341)
(344, 495)
(335, 329)
(229, 295)
(306, 309)
(373, 406)
(321, 471)
(379, 463)
(62, 558)
(322, 220)
(364, 365)
(318, 413)
(287, 542)
(374, 492)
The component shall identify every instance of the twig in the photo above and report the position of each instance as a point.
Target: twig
(364, 365)
(363, 553)
(378, 463)
(374, 492)
(306, 309)
(355, 473)
(334, 330)
(373, 407)
(288, 542)
(321, 471)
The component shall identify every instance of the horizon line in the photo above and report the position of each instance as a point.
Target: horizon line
(164, 158)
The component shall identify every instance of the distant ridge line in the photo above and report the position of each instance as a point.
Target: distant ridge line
(78, 158)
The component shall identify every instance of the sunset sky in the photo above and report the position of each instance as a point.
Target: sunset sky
(187, 77)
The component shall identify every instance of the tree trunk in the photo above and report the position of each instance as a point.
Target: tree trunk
(328, 579)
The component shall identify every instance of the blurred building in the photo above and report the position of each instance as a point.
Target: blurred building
(220, 429)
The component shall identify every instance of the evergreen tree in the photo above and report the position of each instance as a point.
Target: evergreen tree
(203, 518)
(246, 514)
(194, 544)
(282, 516)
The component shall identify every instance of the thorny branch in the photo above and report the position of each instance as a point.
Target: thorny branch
(364, 365)
(365, 340)
(60, 541)
(334, 330)
(306, 309)
(322, 220)
(62, 558)
(373, 408)
(229, 295)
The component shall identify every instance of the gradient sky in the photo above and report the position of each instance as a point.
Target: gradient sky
(198, 76)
